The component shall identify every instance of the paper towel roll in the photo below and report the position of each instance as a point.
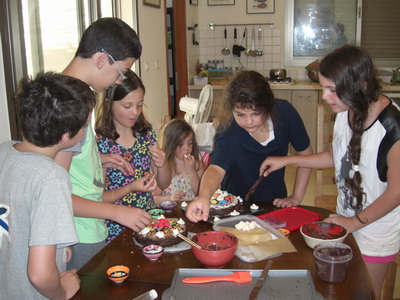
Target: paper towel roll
(188, 105)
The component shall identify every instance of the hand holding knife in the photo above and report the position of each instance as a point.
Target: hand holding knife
(255, 185)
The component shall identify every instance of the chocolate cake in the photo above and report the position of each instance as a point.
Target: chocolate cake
(222, 204)
(162, 232)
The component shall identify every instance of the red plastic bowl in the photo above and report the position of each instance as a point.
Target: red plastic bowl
(218, 248)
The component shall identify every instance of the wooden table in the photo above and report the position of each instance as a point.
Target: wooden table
(146, 274)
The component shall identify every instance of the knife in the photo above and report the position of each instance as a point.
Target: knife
(260, 281)
(254, 187)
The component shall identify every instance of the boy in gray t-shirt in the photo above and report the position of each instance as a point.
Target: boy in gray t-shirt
(36, 218)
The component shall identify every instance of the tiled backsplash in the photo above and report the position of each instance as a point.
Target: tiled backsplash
(211, 43)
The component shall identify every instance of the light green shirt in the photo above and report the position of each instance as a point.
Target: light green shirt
(87, 182)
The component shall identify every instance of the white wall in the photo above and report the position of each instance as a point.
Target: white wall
(154, 61)
(5, 134)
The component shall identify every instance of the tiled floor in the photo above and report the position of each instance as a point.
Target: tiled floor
(309, 199)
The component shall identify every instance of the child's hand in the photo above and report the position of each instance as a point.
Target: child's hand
(351, 224)
(116, 161)
(190, 163)
(178, 196)
(198, 210)
(145, 184)
(286, 202)
(70, 282)
(132, 217)
(157, 155)
(273, 164)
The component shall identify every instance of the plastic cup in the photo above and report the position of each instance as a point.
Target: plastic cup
(332, 260)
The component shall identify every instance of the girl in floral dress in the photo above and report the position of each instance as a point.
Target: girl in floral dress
(122, 128)
(183, 156)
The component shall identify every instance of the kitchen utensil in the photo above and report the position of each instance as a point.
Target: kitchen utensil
(247, 51)
(253, 51)
(255, 185)
(260, 281)
(189, 241)
(225, 50)
(277, 74)
(235, 47)
(239, 277)
(241, 48)
(259, 50)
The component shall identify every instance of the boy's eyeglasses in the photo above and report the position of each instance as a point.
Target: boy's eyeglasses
(122, 76)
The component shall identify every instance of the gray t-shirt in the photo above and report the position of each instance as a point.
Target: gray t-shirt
(35, 209)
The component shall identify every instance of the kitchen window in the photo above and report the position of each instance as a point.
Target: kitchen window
(315, 27)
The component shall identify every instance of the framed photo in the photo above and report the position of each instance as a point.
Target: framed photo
(220, 2)
(194, 2)
(260, 6)
(152, 3)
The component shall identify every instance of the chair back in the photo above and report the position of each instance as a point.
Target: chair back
(325, 177)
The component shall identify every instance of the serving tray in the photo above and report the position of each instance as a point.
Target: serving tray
(280, 284)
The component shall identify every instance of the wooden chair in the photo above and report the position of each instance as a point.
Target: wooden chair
(389, 282)
(324, 177)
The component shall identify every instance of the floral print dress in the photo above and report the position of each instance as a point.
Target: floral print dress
(140, 159)
(180, 182)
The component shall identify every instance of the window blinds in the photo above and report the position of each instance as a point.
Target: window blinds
(380, 33)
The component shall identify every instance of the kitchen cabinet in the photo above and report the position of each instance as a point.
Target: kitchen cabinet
(306, 103)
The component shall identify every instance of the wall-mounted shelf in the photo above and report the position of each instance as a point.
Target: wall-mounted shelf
(212, 25)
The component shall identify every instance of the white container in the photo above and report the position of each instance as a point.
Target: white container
(242, 252)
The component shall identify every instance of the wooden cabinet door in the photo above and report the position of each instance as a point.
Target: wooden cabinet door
(306, 103)
(283, 94)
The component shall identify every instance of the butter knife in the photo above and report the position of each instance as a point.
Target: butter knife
(255, 185)
(260, 281)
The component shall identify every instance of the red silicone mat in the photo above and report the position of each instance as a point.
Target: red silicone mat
(294, 217)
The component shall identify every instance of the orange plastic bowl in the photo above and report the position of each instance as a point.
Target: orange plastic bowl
(118, 273)
(217, 248)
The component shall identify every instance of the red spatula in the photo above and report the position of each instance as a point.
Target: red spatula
(240, 277)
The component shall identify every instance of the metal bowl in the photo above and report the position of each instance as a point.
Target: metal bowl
(277, 74)
(313, 75)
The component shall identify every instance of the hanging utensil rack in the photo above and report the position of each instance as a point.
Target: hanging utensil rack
(212, 25)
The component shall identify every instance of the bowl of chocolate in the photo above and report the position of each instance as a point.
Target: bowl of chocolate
(118, 273)
(217, 248)
(320, 231)
(332, 260)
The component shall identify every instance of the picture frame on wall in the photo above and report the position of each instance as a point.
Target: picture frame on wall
(152, 3)
(194, 2)
(220, 2)
(260, 6)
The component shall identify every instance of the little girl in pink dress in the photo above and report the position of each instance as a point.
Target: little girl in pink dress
(182, 153)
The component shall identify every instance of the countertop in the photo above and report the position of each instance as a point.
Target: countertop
(302, 85)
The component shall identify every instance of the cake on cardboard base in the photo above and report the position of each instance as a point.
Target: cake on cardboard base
(222, 204)
(162, 231)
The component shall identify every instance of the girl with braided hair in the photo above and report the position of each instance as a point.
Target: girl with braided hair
(365, 153)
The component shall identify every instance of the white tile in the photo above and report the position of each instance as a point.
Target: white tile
(276, 41)
(276, 49)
